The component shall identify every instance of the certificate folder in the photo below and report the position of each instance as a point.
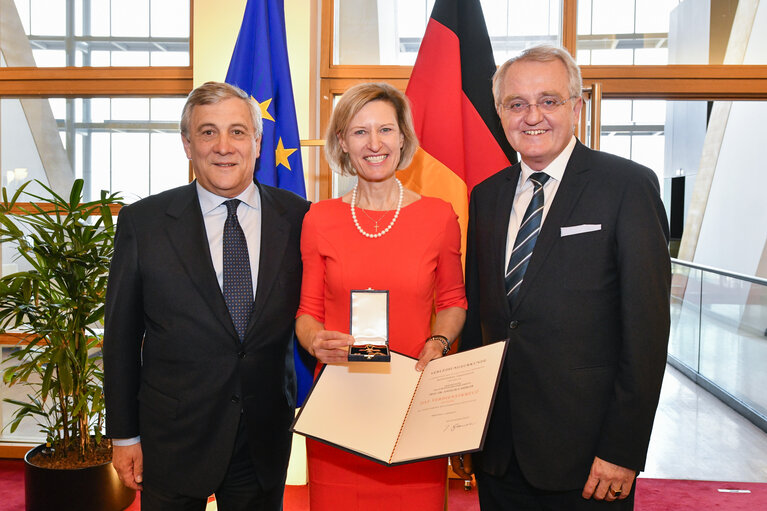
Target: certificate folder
(393, 414)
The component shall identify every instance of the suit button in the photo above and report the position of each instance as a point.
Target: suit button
(241, 354)
(235, 399)
(514, 324)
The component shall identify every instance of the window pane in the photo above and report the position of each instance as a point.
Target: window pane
(99, 173)
(658, 32)
(165, 153)
(115, 144)
(106, 32)
(653, 15)
(50, 58)
(130, 165)
(49, 17)
(169, 18)
(612, 16)
(130, 58)
(130, 18)
(371, 32)
(130, 109)
(168, 58)
(100, 59)
(166, 109)
(99, 20)
(19, 158)
(100, 109)
(636, 129)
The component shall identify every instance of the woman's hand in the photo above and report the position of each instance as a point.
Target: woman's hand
(327, 346)
(447, 324)
(331, 347)
(432, 349)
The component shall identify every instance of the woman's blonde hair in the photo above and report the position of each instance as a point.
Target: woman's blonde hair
(352, 101)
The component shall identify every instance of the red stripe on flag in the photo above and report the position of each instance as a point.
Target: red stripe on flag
(446, 122)
(435, 93)
(483, 156)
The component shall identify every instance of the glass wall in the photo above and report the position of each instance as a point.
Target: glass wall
(126, 145)
(615, 32)
(653, 32)
(105, 32)
(389, 32)
(718, 323)
(609, 32)
(636, 129)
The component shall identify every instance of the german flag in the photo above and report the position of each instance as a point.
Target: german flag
(450, 90)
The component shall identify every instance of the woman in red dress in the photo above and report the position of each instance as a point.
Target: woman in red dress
(379, 236)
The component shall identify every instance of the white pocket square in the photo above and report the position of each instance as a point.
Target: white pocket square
(579, 229)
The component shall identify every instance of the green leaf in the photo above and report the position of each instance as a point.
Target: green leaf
(59, 300)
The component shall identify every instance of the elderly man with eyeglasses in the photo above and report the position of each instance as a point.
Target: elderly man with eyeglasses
(567, 257)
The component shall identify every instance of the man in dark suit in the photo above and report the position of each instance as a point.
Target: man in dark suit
(202, 294)
(567, 258)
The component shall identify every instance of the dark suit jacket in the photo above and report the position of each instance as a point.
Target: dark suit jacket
(589, 331)
(185, 391)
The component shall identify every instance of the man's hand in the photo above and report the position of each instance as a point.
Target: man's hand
(608, 481)
(462, 466)
(128, 460)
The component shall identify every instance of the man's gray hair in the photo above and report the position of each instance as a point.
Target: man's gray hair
(214, 92)
(543, 53)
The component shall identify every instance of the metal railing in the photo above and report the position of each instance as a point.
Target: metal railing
(719, 335)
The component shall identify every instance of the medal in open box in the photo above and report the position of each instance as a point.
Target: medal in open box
(369, 325)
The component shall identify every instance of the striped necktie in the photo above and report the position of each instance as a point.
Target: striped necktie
(238, 285)
(526, 237)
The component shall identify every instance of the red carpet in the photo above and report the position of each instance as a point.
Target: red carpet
(681, 495)
(652, 494)
(12, 485)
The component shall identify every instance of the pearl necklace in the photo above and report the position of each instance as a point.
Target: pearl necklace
(391, 224)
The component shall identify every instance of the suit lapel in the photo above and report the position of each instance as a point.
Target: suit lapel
(186, 231)
(506, 194)
(575, 178)
(274, 237)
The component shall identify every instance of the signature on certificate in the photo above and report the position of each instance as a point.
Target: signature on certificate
(457, 425)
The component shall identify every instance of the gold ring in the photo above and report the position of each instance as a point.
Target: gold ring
(615, 493)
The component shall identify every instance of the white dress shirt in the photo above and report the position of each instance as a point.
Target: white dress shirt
(524, 194)
(249, 215)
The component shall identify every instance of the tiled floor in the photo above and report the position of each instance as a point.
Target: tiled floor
(696, 436)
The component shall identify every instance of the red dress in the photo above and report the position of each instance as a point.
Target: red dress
(419, 262)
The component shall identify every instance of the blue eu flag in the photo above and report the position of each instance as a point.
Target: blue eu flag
(259, 66)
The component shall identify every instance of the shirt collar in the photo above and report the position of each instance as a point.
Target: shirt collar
(210, 201)
(555, 169)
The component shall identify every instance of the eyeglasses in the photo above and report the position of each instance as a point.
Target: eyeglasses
(546, 105)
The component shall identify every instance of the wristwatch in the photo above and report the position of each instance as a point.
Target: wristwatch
(442, 340)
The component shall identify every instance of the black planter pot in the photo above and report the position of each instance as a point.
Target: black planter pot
(94, 488)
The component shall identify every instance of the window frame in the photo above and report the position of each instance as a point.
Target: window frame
(669, 82)
(72, 82)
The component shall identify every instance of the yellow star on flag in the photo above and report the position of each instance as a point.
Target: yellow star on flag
(281, 155)
(264, 106)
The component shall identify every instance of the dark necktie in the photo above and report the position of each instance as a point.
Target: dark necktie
(238, 285)
(526, 237)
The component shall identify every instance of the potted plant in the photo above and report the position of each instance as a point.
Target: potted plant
(58, 307)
